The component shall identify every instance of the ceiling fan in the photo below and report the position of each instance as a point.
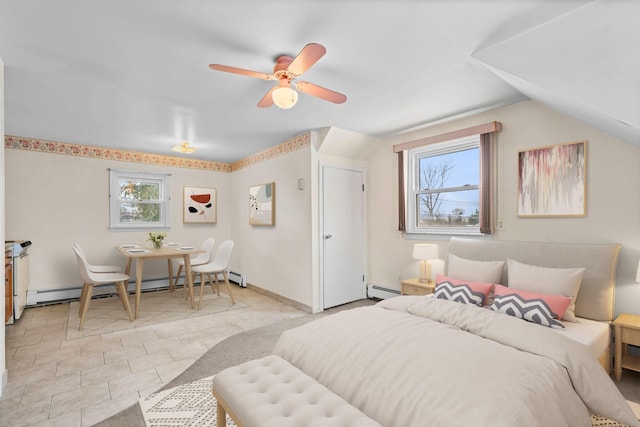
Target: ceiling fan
(285, 71)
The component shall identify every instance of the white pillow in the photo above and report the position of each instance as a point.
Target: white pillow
(476, 271)
(558, 281)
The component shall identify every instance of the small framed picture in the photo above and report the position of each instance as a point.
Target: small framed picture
(199, 205)
(261, 204)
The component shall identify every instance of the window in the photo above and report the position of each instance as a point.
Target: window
(138, 200)
(443, 187)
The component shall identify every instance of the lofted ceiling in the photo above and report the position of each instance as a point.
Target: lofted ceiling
(133, 74)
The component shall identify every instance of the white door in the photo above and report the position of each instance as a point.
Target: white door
(343, 266)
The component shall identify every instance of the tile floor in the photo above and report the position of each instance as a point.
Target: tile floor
(79, 382)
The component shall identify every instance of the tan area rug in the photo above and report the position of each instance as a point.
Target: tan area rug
(193, 404)
(107, 314)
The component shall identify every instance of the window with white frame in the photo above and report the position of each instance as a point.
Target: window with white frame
(138, 200)
(443, 187)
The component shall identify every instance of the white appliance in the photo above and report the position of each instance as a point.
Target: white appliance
(20, 260)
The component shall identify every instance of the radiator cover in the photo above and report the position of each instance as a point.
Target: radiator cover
(381, 292)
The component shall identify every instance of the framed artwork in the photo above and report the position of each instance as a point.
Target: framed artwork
(552, 181)
(261, 204)
(199, 205)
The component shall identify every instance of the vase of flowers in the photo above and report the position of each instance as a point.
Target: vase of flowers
(156, 238)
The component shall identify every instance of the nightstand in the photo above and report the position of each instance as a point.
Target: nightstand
(414, 287)
(627, 331)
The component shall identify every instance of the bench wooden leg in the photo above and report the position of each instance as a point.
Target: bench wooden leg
(221, 416)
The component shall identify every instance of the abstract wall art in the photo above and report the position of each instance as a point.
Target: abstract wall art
(552, 181)
(199, 205)
(261, 204)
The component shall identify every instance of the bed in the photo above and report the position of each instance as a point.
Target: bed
(416, 361)
(596, 298)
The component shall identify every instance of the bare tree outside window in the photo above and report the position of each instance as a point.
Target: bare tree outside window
(448, 190)
(433, 177)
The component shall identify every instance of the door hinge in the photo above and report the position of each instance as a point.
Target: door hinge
(363, 277)
(362, 187)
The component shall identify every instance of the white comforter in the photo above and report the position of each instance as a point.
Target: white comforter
(427, 362)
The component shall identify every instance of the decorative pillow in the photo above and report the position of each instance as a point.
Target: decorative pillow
(468, 269)
(532, 310)
(557, 281)
(461, 291)
(558, 304)
(482, 287)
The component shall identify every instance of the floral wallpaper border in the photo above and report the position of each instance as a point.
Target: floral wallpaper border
(54, 147)
(289, 145)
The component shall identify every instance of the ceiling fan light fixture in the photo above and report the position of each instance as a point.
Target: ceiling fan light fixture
(183, 147)
(284, 97)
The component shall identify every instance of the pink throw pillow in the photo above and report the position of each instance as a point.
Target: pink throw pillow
(557, 303)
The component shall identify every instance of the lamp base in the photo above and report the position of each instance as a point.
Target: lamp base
(425, 272)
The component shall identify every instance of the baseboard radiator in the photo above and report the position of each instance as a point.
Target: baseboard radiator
(380, 292)
(55, 296)
(237, 278)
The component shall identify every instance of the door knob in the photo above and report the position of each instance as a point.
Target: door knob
(328, 236)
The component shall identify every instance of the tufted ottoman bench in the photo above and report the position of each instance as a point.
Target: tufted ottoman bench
(271, 392)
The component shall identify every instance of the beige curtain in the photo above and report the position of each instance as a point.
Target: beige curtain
(402, 215)
(487, 182)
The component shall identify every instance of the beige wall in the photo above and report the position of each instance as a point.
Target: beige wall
(55, 200)
(613, 196)
(278, 258)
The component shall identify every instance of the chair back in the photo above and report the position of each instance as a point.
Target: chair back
(223, 254)
(83, 265)
(202, 258)
(207, 247)
(77, 248)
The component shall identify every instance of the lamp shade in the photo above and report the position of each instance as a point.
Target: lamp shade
(284, 97)
(425, 251)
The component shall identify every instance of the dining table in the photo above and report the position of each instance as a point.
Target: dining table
(142, 253)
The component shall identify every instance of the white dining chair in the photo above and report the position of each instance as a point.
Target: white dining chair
(98, 268)
(90, 279)
(218, 265)
(198, 259)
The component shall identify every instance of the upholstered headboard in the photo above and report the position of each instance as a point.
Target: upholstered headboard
(597, 293)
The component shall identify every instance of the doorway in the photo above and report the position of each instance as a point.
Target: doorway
(343, 237)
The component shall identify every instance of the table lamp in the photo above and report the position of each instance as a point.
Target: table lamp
(424, 252)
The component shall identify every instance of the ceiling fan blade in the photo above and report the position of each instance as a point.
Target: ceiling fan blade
(320, 92)
(267, 100)
(309, 55)
(241, 71)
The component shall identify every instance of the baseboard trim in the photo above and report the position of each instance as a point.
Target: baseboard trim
(5, 380)
(280, 298)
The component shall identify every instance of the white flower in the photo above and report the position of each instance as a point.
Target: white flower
(157, 236)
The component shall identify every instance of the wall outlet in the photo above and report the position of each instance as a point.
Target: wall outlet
(500, 224)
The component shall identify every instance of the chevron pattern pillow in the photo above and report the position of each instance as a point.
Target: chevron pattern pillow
(458, 293)
(532, 310)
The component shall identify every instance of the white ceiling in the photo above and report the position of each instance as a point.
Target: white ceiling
(133, 74)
